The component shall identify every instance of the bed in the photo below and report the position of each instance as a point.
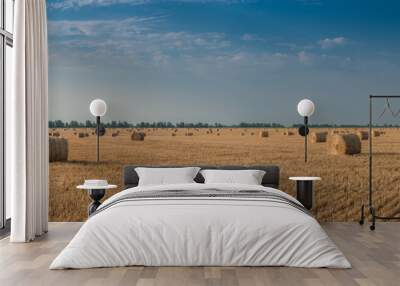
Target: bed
(198, 224)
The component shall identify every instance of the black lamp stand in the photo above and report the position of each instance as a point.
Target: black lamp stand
(303, 131)
(305, 138)
(98, 137)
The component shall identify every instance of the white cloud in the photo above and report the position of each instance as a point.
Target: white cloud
(332, 42)
(304, 57)
(281, 55)
(310, 2)
(93, 28)
(191, 41)
(234, 62)
(128, 41)
(135, 30)
(76, 4)
(160, 59)
(136, 43)
(68, 4)
(251, 37)
(238, 57)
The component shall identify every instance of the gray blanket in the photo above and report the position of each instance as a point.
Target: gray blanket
(205, 194)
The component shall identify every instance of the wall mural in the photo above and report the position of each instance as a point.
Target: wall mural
(218, 82)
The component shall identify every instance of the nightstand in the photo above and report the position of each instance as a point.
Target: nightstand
(305, 190)
(96, 190)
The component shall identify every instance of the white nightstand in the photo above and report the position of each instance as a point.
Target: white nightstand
(305, 190)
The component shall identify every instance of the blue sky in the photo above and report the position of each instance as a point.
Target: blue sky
(222, 61)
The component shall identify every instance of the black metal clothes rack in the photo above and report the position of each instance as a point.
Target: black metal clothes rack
(370, 206)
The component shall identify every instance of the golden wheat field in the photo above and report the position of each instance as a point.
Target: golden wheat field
(338, 196)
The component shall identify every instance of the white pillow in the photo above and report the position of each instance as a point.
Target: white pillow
(248, 177)
(166, 176)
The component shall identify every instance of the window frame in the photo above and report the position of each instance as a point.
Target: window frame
(6, 39)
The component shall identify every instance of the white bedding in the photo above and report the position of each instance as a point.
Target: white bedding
(200, 231)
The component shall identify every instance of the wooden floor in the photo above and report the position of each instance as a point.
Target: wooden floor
(375, 257)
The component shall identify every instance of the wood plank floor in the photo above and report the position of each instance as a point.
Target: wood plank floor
(375, 257)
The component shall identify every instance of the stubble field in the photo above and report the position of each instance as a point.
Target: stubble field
(338, 196)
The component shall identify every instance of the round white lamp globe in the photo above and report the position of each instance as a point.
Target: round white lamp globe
(305, 107)
(98, 107)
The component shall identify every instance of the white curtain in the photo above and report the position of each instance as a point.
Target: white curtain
(27, 123)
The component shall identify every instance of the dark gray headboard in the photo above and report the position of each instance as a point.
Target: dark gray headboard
(271, 177)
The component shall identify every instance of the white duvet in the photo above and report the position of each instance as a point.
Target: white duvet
(202, 232)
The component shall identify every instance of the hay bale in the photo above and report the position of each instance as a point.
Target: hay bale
(252, 133)
(138, 136)
(189, 134)
(242, 134)
(81, 135)
(333, 132)
(376, 133)
(264, 134)
(318, 137)
(54, 134)
(173, 134)
(58, 149)
(363, 135)
(344, 144)
(288, 133)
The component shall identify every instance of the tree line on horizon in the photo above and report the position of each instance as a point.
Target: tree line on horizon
(167, 124)
(159, 124)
